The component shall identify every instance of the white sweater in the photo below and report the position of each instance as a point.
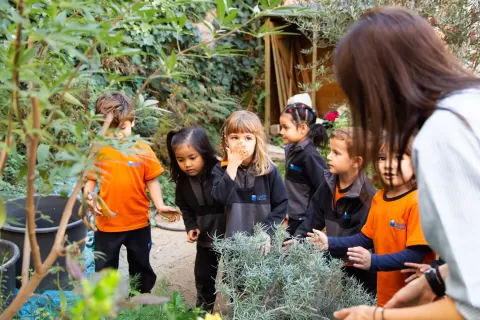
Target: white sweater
(447, 162)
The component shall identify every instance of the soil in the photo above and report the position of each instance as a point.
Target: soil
(172, 259)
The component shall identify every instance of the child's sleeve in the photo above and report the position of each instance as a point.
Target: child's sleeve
(369, 228)
(278, 201)
(152, 166)
(414, 228)
(223, 186)
(315, 166)
(315, 215)
(396, 261)
(188, 214)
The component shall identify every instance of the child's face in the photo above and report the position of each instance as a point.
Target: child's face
(189, 160)
(389, 169)
(339, 161)
(290, 132)
(246, 139)
(126, 129)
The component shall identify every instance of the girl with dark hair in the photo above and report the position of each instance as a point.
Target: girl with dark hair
(192, 159)
(304, 169)
(400, 79)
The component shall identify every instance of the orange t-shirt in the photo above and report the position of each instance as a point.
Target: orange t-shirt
(394, 225)
(340, 193)
(123, 181)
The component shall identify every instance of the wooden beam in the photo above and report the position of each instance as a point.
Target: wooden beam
(268, 81)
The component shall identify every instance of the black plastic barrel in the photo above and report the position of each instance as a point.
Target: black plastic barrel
(52, 207)
(9, 254)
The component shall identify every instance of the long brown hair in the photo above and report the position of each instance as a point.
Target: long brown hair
(393, 68)
(248, 122)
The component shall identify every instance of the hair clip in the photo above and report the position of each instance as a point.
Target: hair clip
(303, 106)
(290, 110)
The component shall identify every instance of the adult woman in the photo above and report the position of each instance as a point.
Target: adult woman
(400, 79)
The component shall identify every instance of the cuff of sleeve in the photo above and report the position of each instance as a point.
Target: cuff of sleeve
(374, 262)
(228, 180)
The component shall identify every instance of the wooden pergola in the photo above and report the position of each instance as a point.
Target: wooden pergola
(282, 76)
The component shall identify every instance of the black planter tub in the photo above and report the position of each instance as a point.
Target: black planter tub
(51, 206)
(9, 254)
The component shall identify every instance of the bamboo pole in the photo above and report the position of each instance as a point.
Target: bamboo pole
(291, 90)
(302, 62)
(314, 70)
(277, 75)
(268, 82)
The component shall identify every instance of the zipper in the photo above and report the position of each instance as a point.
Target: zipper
(203, 191)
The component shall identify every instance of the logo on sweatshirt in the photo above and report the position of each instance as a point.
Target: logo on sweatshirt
(295, 168)
(134, 164)
(260, 197)
(398, 225)
(347, 216)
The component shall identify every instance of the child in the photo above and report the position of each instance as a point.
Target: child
(341, 204)
(304, 166)
(247, 182)
(124, 175)
(192, 159)
(392, 228)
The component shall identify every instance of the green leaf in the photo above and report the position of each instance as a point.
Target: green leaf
(182, 20)
(72, 100)
(231, 15)
(148, 103)
(220, 11)
(43, 154)
(3, 212)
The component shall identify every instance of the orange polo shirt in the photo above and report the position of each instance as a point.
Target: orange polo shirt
(394, 225)
(123, 182)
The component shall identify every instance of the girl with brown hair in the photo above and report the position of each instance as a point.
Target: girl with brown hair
(402, 81)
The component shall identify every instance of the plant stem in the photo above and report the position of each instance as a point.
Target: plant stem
(32, 145)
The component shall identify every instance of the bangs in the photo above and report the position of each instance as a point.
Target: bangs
(385, 147)
(243, 123)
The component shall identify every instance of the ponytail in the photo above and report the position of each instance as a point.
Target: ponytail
(174, 168)
(319, 135)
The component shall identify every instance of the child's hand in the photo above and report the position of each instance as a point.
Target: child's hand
(172, 214)
(361, 256)
(267, 245)
(417, 268)
(287, 245)
(318, 238)
(192, 235)
(237, 154)
(93, 205)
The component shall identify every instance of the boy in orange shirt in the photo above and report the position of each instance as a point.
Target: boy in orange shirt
(124, 175)
(392, 228)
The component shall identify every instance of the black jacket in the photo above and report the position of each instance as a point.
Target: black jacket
(250, 199)
(199, 209)
(303, 175)
(347, 217)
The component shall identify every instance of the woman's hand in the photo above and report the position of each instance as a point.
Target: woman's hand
(318, 238)
(358, 313)
(93, 205)
(416, 268)
(361, 257)
(415, 293)
(192, 235)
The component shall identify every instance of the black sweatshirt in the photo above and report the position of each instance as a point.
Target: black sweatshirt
(199, 209)
(303, 175)
(250, 199)
(347, 217)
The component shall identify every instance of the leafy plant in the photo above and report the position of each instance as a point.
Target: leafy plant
(302, 283)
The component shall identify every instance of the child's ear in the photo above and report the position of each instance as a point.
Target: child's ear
(304, 127)
(357, 162)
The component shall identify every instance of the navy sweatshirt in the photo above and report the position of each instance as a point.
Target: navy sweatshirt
(199, 209)
(338, 247)
(303, 175)
(250, 199)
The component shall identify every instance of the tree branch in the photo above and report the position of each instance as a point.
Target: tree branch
(58, 248)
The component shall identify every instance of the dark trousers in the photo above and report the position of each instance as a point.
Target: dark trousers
(206, 267)
(366, 278)
(138, 243)
(293, 225)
